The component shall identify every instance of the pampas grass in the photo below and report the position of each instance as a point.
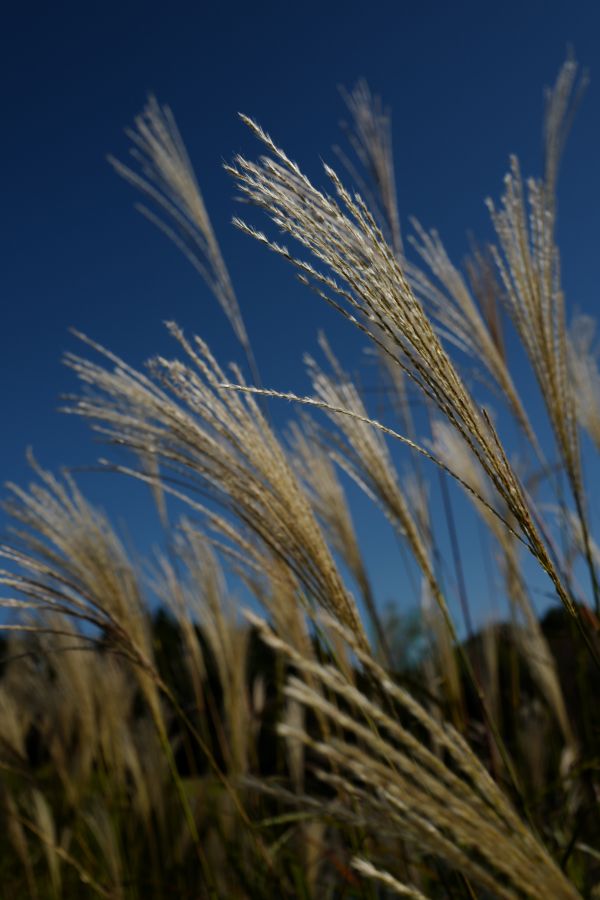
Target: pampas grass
(188, 751)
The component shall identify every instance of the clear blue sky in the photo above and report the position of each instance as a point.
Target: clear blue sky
(464, 81)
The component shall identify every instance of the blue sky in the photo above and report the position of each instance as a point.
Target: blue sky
(464, 82)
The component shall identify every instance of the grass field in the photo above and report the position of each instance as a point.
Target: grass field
(315, 744)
